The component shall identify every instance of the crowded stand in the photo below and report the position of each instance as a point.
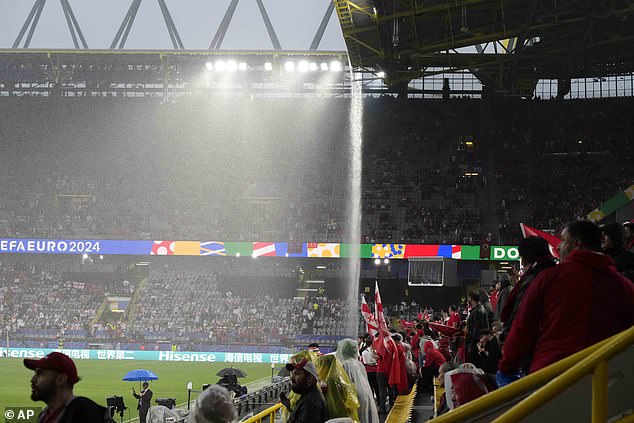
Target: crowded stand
(557, 161)
(431, 183)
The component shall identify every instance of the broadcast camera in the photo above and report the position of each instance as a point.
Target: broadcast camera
(116, 405)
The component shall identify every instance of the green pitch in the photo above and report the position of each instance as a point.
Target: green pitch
(102, 379)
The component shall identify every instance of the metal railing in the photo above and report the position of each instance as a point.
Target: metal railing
(543, 385)
(269, 412)
(595, 364)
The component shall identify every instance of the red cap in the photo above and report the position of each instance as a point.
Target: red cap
(56, 361)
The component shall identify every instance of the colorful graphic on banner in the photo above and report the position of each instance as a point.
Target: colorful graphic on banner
(324, 249)
(388, 251)
(365, 250)
(421, 250)
(239, 249)
(612, 205)
(291, 249)
(212, 248)
(163, 248)
(187, 248)
(263, 249)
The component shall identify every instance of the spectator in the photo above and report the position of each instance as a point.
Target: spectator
(534, 257)
(504, 289)
(369, 360)
(629, 235)
(614, 245)
(213, 405)
(489, 352)
(433, 360)
(454, 317)
(341, 397)
(53, 381)
(347, 354)
(311, 407)
(477, 321)
(444, 368)
(571, 306)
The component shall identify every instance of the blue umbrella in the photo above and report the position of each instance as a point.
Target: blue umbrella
(140, 375)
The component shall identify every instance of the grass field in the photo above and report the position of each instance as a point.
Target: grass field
(102, 379)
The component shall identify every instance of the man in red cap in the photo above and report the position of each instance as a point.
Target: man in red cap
(311, 407)
(53, 383)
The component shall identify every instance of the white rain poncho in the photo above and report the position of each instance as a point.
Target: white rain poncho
(161, 414)
(347, 354)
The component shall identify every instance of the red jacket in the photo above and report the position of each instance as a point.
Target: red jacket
(567, 308)
(433, 357)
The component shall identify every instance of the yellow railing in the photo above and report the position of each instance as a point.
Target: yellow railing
(596, 364)
(402, 409)
(269, 412)
(551, 380)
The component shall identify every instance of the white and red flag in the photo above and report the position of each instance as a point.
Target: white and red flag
(370, 320)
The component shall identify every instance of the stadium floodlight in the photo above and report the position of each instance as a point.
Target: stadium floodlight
(313, 66)
(268, 66)
(242, 66)
(380, 74)
(377, 261)
(386, 261)
(324, 66)
(335, 66)
(232, 66)
(220, 66)
(289, 67)
(303, 66)
(209, 66)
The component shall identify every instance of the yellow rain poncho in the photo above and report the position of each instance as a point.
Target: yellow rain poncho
(341, 395)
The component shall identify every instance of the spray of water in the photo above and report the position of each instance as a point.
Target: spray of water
(354, 205)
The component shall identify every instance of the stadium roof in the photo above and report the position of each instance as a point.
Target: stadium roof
(507, 44)
(109, 71)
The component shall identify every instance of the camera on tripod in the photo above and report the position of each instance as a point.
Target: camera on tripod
(116, 405)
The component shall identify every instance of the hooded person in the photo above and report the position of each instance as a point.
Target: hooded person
(213, 405)
(433, 360)
(347, 352)
(341, 395)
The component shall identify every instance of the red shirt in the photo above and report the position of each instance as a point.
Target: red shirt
(567, 308)
(454, 320)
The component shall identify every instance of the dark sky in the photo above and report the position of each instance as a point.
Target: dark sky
(295, 22)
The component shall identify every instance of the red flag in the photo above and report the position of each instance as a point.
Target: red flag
(444, 329)
(380, 317)
(370, 320)
(553, 241)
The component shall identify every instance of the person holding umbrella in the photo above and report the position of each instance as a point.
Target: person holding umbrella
(144, 401)
(145, 396)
